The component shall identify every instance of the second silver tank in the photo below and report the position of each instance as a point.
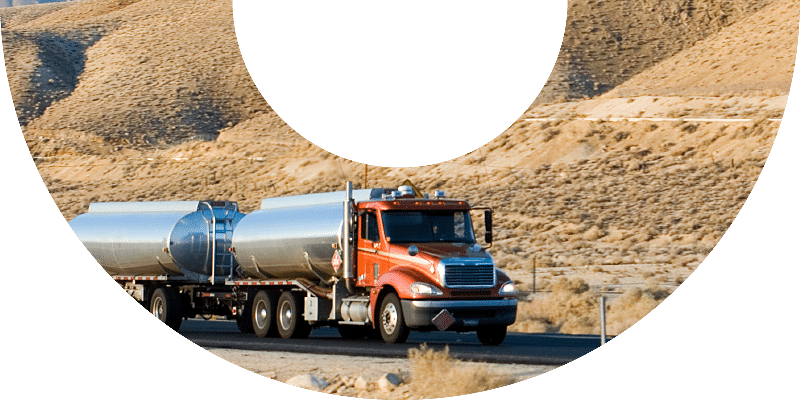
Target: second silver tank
(273, 242)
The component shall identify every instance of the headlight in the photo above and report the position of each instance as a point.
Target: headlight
(425, 289)
(508, 288)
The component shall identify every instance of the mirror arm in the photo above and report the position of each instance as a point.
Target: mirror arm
(488, 224)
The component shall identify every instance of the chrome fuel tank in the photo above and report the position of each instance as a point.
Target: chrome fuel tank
(274, 241)
(159, 238)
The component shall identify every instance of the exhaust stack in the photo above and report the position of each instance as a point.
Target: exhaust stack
(347, 241)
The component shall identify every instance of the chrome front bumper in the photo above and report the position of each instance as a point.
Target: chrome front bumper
(468, 314)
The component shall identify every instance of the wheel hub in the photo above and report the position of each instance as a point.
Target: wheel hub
(158, 308)
(389, 318)
(261, 315)
(286, 315)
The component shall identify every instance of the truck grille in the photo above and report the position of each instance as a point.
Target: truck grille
(469, 275)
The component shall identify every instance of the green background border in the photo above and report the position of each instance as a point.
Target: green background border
(76, 345)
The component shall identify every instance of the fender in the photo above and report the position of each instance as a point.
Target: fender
(400, 279)
(501, 278)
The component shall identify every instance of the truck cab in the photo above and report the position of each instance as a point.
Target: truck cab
(423, 269)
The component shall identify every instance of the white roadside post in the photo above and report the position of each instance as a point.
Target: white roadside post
(602, 320)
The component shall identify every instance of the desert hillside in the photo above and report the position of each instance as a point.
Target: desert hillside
(164, 71)
(607, 42)
(615, 191)
(131, 72)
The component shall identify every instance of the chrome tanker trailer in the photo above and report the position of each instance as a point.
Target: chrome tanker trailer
(371, 261)
(158, 251)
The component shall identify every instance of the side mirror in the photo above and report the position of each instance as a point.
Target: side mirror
(487, 218)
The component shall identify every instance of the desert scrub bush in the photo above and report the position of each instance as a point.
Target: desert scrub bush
(570, 308)
(690, 128)
(543, 285)
(531, 317)
(632, 306)
(551, 133)
(434, 374)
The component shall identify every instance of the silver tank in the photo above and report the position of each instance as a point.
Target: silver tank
(159, 238)
(274, 240)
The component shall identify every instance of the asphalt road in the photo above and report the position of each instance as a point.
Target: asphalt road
(544, 349)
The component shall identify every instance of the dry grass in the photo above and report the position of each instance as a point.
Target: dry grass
(572, 307)
(632, 306)
(434, 374)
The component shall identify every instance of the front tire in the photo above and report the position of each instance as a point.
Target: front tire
(166, 305)
(391, 322)
(262, 314)
(492, 335)
(290, 316)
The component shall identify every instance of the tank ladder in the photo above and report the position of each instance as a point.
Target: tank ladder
(223, 233)
(221, 230)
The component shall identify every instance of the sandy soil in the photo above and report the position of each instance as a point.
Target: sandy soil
(341, 372)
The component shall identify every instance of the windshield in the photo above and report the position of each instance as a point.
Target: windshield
(428, 226)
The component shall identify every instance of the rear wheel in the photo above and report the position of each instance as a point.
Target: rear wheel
(166, 305)
(391, 322)
(492, 335)
(262, 313)
(290, 316)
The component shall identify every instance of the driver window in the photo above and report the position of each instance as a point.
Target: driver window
(369, 227)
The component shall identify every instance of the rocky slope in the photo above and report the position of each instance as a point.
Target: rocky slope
(164, 71)
(755, 56)
(607, 42)
(132, 72)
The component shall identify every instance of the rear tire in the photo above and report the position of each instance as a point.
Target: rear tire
(166, 305)
(391, 322)
(289, 318)
(492, 335)
(262, 313)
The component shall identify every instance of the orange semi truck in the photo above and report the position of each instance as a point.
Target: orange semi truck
(371, 261)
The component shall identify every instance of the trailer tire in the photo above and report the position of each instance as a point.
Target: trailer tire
(262, 313)
(391, 322)
(166, 305)
(289, 318)
(492, 335)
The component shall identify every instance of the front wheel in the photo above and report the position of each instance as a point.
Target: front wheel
(290, 316)
(391, 322)
(492, 335)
